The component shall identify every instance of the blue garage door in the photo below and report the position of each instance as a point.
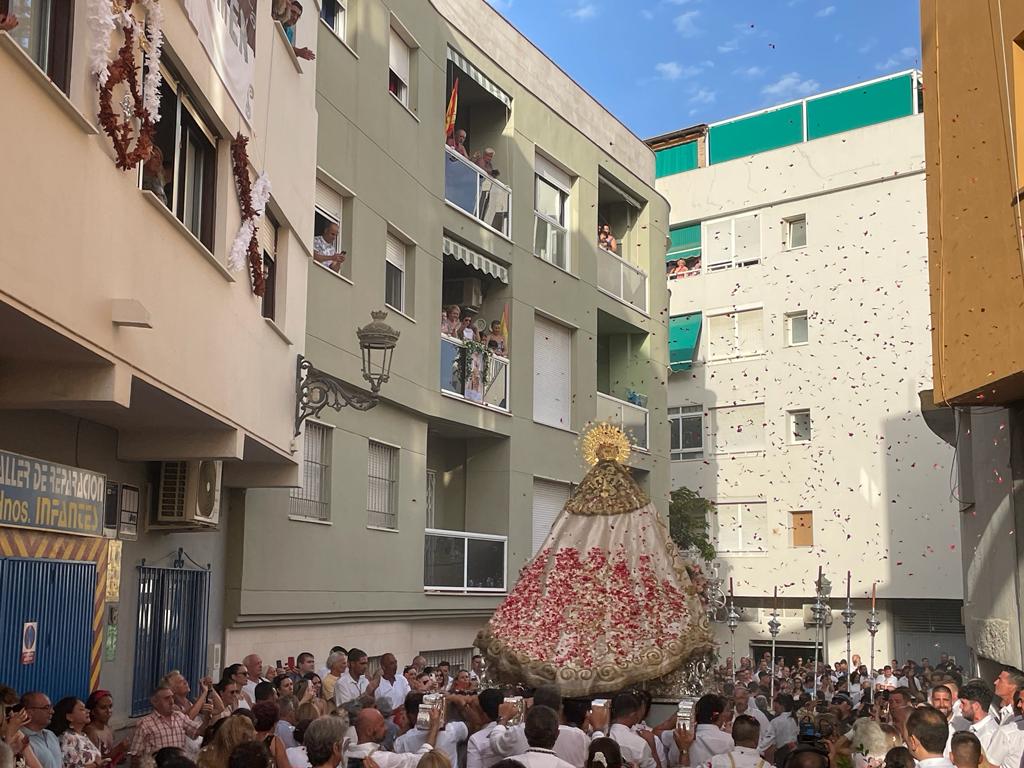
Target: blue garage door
(59, 596)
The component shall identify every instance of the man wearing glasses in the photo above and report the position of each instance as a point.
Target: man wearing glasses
(44, 743)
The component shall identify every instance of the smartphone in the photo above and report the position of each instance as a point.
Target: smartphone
(684, 710)
(278, 667)
(520, 703)
(291, 662)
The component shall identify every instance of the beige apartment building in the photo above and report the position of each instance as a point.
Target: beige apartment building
(414, 517)
(143, 385)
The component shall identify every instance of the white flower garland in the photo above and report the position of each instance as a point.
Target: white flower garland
(103, 20)
(238, 257)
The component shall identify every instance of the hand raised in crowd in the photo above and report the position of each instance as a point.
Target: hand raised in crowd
(683, 738)
(506, 711)
(13, 726)
(599, 719)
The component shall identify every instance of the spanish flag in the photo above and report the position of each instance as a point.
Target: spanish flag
(453, 107)
(504, 329)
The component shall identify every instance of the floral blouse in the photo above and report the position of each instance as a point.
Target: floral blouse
(78, 751)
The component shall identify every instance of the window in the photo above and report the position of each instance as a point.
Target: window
(328, 248)
(798, 426)
(796, 232)
(552, 380)
(801, 529)
(381, 486)
(312, 499)
(399, 58)
(796, 328)
(267, 236)
(687, 426)
(740, 527)
(549, 498)
(737, 428)
(45, 32)
(186, 182)
(333, 14)
(394, 273)
(551, 208)
(736, 334)
(734, 242)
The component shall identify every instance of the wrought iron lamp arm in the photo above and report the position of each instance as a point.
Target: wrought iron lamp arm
(316, 390)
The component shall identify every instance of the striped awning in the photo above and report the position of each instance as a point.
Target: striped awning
(479, 77)
(683, 339)
(476, 260)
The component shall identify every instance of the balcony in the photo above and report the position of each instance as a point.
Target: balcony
(618, 278)
(473, 190)
(474, 374)
(456, 561)
(632, 418)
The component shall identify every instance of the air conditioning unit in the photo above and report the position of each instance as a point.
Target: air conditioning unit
(809, 615)
(466, 292)
(189, 494)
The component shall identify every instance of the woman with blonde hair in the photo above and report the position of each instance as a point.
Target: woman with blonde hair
(435, 758)
(235, 730)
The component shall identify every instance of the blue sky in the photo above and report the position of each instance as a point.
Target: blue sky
(659, 65)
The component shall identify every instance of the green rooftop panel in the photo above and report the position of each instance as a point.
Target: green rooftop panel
(682, 157)
(757, 133)
(857, 107)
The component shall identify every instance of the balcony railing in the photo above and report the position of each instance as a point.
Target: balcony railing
(471, 188)
(632, 418)
(455, 561)
(621, 279)
(473, 373)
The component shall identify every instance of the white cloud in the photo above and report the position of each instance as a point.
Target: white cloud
(669, 70)
(729, 46)
(753, 71)
(583, 11)
(902, 58)
(686, 24)
(703, 96)
(828, 10)
(790, 86)
(868, 45)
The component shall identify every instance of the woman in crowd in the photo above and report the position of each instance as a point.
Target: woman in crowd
(101, 709)
(604, 753)
(69, 720)
(266, 714)
(232, 732)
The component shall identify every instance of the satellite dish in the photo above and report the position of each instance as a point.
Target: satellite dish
(207, 496)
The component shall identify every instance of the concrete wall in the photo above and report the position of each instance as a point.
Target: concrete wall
(874, 476)
(392, 162)
(975, 270)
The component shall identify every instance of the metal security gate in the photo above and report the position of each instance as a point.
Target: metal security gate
(927, 628)
(174, 606)
(58, 596)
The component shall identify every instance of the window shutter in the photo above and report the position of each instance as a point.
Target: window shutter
(549, 498)
(266, 235)
(548, 170)
(717, 244)
(721, 337)
(328, 201)
(394, 252)
(552, 384)
(750, 332)
(398, 58)
(748, 238)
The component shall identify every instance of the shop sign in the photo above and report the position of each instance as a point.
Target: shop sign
(47, 496)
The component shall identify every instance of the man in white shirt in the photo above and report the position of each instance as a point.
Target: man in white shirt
(626, 712)
(926, 737)
(784, 729)
(741, 701)
(886, 681)
(392, 684)
(476, 669)
(975, 700)
(508, 740)
(371, 728)
(573, 743)
(708, 737)
(254, 670)
(541, 728)
(746, 732)
(965, 751)
(449, 737)
(479, 753)
(353, 682)
(1006, 686)
(1007, 745)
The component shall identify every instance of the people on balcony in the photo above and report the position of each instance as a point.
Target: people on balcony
(466, 330)
(485, 160)
(460, 324)
(606, 240)
(496, 339)
(450, 322)
(680, 268)
(153, 178)
(325, 247)
(457, 141)
(289, 31)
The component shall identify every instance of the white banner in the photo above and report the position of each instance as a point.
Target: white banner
(227, 30)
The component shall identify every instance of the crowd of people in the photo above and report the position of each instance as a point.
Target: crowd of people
(683, 267)
(460, 323)
(300, 715)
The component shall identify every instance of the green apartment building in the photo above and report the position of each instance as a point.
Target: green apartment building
(415, 517)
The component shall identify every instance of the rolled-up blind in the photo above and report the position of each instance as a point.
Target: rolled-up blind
(398, 58)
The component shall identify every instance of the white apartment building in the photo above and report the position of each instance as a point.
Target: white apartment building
(799, 342)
